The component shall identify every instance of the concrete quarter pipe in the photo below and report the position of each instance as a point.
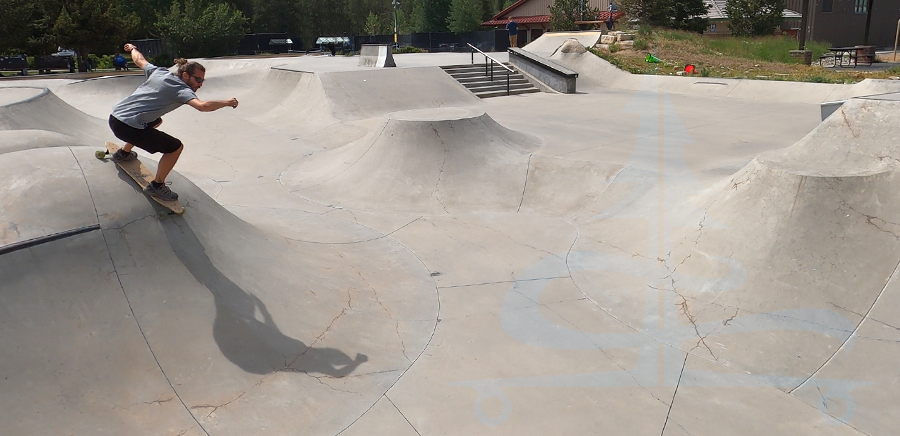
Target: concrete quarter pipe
(641, 258)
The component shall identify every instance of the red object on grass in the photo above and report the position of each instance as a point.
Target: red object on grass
(689, 69)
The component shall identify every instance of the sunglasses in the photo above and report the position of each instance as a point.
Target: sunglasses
(198, 79)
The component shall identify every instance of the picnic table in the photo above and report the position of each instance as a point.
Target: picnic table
(848, 56)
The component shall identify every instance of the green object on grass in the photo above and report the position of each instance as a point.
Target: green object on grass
(652, 59)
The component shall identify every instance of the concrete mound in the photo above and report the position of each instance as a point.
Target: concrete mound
(549, 43)
(376, 92)
(429, 160)
(27, 108)
(119, 318)
(291, 102)
(816, 225)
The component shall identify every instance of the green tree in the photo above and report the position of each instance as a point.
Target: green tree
(199, 29)
(674, 14)
(87, 26)
(15, 27)
(431, 15)
(564, 14)
(147, 12)
(754, 17)
(689, 15)
(465, 16)
(276, 16)
(373, 26)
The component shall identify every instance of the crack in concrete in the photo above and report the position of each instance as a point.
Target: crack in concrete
(669, 413)
(854, 133)
(797, 195)
(402, 344)
(870, 219)
(503, 281)
(602, 350)
(501, 232)
(436, 193)
(525, 187)
(693, 321)
(600, 195)
(216, 407)
(862, 316)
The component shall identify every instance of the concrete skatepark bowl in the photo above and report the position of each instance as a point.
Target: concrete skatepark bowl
(376, 251)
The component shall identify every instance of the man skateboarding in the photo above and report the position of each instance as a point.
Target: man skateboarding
(136, 118)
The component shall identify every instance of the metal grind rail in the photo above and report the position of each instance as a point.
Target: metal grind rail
(489, 66)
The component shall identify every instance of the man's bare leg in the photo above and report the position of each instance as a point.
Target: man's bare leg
(166, 163)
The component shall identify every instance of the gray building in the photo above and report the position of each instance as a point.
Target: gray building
(843, 22)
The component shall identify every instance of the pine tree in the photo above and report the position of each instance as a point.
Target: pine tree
(465, 16)
(754, 17)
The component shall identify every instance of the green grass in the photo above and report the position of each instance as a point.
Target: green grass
(769, 48)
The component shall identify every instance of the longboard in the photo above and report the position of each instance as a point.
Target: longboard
(139, 174)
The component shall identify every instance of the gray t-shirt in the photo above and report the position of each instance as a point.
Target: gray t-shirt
(160, 94)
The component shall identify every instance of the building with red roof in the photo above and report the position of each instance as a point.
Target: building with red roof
(533, 17)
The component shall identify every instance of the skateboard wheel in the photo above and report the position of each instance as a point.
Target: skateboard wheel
(99, 154)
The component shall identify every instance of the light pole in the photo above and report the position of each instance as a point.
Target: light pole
(396, 4)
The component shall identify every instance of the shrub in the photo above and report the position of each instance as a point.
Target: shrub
(161, 60)
(407, 49)
(101, 62)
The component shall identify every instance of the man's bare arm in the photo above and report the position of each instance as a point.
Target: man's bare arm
(136, 56)
(211, 105)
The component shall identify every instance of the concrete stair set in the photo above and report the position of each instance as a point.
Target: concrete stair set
(473, 77)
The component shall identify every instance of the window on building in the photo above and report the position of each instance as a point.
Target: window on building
(712, 27)
(861, 7)
(827, 5)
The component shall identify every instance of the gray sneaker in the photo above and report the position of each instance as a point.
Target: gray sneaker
(121, 156)
(162, 192)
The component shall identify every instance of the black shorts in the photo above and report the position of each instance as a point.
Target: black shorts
(148, 139)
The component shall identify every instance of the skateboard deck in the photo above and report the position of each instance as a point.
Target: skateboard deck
(139, 174)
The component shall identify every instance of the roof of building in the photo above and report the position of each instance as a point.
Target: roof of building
(717, 11)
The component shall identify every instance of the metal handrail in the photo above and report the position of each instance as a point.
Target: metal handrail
(491, 65)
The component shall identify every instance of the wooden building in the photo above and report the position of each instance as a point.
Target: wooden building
(843, 22)
(533, 17)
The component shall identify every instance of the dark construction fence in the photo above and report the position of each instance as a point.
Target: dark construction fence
(490, 40)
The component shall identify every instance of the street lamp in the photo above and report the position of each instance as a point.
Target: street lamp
(396, 4)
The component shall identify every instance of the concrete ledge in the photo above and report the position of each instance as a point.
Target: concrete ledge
(555, 76)
(376, 55)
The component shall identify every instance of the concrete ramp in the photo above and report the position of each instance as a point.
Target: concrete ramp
(378, 252)
(27, 108)
(807, 216)
(97, 97)
(376, 55)
(133, 319)
(376, 92)
(548, 43)
(428, 160)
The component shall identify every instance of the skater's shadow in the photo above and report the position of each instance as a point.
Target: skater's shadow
(244, 330)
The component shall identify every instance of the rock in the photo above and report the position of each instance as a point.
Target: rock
(608, 39)
(572, 45)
